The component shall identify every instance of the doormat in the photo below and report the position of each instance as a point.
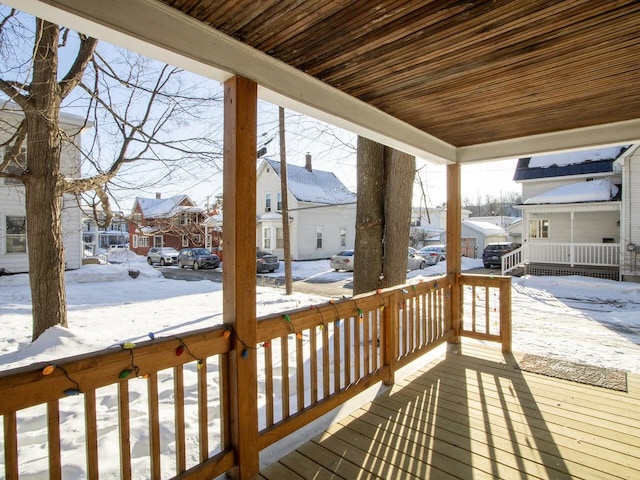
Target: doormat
(575, 372)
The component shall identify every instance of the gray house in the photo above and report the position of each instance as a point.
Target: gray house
(578, 213)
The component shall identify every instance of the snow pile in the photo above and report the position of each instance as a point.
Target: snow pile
(577, 157)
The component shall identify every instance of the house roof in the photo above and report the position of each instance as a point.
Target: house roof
(586, 162)
(315, 186)
(448, 80)
(165, 207)
(485, 228)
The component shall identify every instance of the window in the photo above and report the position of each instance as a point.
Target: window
(185, 241)
(267, 202)
(318, 237)
(143, 241)
(266, 238)
(279, 206)
(279, 237)
(197, 239)
(157, 241)
(16, 229)
(343, 237)
(539, 228)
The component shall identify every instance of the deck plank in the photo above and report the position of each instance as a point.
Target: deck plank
(473, 414)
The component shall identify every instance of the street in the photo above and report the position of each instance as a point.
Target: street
(316, 285)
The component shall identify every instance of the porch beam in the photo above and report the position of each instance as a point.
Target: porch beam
(454, 247)
(239, 273)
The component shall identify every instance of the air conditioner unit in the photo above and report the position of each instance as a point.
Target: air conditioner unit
(267, 209)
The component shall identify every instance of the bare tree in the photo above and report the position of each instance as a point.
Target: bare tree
(137, 110)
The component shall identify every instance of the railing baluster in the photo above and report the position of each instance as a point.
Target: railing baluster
(284, 362)
(300, 371)
(10, 446)
(348, 350)
(91, 433)
(53, 429)
(178, 400)
(203, 416)
(337, 365)
(325, 360)
(154, 424)
(357, 323)
(366, 341)
(268, 384)
(313, 364)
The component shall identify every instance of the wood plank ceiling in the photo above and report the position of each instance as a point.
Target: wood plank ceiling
(467, 72)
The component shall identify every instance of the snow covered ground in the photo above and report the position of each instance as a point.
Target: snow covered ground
(576, 318)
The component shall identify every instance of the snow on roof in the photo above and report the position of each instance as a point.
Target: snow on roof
(486, 228)
(165, 207)
(316, 186)
(600, 190)
(574, 158)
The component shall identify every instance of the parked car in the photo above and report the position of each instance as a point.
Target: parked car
(342, 261)
(162, 255)
(266, 262)
(197, 258)
(433, 253)
(492, 253)
(415, 261)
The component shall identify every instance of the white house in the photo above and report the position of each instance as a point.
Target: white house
(13, 219)
(572, 221)
(429, 225)
(322, 211)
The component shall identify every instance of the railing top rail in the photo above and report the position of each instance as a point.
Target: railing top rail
(48, 381)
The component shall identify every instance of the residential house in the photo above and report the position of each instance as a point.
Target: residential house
(97, 237)
(13, 218)
(428, 225)
(322, 211)
(572, 221)
(166, 222)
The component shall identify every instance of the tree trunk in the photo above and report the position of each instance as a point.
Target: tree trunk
(400, 169)
(43, 187)
(369, 217)
(383, 216)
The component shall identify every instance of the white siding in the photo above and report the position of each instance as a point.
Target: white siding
(630, 241)
(538, 187)
(588, 227)
(12, 202)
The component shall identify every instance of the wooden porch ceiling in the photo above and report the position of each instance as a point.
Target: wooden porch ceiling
(463, 80)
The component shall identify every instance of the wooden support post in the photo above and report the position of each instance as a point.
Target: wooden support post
(390, 336)
(505, 315)
(239, 274)
(454, 250)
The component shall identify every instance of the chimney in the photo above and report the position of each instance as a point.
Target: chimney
(158, 195)
(307, 164)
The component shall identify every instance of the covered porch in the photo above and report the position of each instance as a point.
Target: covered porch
(440, 81)
(472, 413)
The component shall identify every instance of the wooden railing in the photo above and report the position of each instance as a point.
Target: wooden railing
(487, 308)
(310, 361)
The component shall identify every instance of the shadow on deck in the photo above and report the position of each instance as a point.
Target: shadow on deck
(471, 413)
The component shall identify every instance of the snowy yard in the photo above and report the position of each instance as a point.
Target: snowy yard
(574, 318)
(577, 318)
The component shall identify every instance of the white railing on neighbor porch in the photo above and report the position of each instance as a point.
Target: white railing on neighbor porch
(592, 254)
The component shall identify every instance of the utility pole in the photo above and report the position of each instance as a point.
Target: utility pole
(285, 205)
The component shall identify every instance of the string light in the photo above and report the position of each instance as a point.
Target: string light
(50, 368)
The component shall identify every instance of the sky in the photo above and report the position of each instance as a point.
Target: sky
(578, 319)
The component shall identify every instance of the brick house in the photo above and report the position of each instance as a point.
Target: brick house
(166, 222)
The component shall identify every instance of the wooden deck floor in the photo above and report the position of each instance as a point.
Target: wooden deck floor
(470, 415)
